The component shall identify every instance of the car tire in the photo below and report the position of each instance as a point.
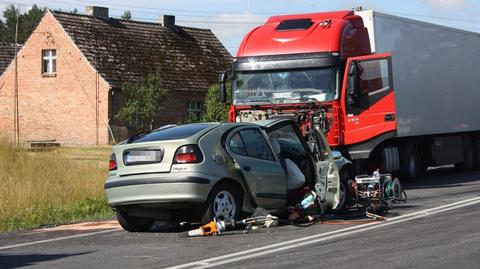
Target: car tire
(343, 193)
(133, 224)
(224, 203)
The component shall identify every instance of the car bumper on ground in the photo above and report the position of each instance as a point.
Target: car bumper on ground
(158, 188)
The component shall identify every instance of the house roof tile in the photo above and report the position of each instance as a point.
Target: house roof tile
(122, 51)
(7, 53)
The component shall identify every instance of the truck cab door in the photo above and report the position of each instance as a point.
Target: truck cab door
(254, 159)
(369, 101)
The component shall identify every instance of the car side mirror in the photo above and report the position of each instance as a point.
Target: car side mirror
(223, 89)
(337, 155)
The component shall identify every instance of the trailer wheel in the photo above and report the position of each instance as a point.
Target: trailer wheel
(476, 151)
(468, 157)
(409, 161)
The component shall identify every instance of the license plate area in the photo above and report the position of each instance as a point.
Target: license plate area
(142, 156)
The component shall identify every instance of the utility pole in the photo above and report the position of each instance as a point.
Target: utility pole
(15, 86)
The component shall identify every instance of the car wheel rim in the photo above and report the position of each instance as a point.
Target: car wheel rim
(224, 207)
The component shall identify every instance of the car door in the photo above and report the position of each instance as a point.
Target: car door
(261, 169)
(328, 179)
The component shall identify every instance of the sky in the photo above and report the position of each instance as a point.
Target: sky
(231, 20)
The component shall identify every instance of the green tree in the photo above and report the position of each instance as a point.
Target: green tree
(127, 15)
(27, 23)
(214, 109)
(145, 101)
(30, 21)
(10, 15)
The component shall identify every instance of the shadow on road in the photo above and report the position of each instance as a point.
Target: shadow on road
(442, 177)
(8, 261)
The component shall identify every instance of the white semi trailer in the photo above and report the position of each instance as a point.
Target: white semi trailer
(389, 92)
(436, 84)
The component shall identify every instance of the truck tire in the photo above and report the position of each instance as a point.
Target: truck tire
(388, 160)
(409, 161)
(224, 203)
(133, 224)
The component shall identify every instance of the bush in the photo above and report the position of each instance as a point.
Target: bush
(145, 101)
(215, 111)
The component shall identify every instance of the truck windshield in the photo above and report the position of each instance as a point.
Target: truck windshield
(292, 86)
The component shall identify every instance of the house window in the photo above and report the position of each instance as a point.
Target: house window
(49, 62)
(195, 109)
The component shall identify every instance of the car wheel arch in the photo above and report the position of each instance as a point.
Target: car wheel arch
(240, 187)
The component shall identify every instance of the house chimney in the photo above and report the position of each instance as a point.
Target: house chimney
(168, 21)
(99, 12)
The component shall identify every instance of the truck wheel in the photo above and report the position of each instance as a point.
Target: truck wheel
(387, 160)
(224, 203)
(410, 163)
(468, 156)
(134, 224)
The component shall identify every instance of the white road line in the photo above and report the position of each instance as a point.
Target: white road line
(300, 242)
(57, 239)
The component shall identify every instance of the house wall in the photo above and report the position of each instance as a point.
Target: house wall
(176, 105)
(62, 107)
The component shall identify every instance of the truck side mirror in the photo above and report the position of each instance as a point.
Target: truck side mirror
(353, 84)
(223, 89)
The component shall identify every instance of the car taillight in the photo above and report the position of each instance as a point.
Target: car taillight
(112, 164)
(188, 154)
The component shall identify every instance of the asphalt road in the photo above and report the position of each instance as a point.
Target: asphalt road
(439, 227)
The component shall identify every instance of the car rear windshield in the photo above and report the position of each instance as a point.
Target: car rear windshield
(177, 132)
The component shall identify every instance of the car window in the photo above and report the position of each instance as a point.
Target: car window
(176, 132)
(251, 143)
(236, 145)
(290, 143)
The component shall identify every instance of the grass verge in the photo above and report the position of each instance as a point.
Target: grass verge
(57, 186)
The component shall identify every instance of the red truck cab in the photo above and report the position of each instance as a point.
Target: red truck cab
(302, 65)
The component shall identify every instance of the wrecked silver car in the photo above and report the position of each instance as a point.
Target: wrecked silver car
(196, 172)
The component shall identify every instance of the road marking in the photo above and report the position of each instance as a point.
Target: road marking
(308, 240)
(84, 226)
(57, 239)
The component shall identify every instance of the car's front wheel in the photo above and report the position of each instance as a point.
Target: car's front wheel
(134, 224)
(343, 200)
(224, 203)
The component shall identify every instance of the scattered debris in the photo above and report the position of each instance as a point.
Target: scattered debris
(375, 192)
(371, 195)
(217, 227)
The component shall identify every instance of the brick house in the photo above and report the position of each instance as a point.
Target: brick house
(72, 67)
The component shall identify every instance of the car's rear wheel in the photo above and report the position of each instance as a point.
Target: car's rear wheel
(134, 224)
(224, 203)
